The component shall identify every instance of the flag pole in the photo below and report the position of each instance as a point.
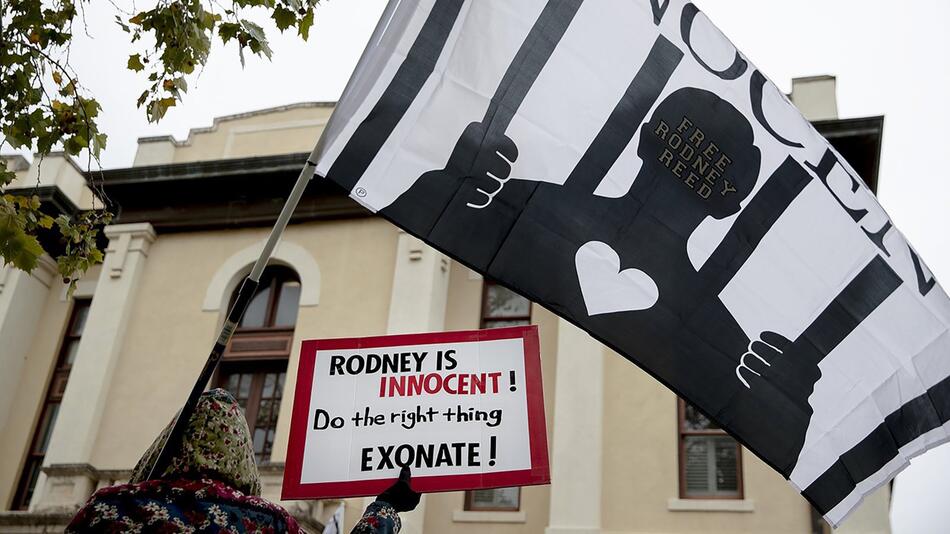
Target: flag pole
(245, 293)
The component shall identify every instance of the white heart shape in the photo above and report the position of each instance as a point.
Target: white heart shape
(607, 289)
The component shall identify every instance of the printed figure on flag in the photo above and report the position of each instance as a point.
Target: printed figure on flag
(622, 164)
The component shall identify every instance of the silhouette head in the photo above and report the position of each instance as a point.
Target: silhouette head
(698, 155)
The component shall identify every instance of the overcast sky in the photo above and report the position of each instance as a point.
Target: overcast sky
(890, 59)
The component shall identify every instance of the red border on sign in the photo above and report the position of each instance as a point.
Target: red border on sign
(539, 473)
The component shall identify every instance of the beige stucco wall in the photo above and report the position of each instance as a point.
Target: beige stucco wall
(641, 467)
(284, 130)
(169, 335)
(34, 377)
(56, 169)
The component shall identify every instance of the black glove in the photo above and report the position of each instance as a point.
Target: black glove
(400, 496)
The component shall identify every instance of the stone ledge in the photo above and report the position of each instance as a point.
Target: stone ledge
(114, 474)
(86, 470)
(710, 505)
(473, 516)
(36, 519)
(71, 470)
(271, 468)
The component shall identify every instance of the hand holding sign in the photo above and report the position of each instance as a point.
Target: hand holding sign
(400, 495)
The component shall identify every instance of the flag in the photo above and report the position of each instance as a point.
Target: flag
(335, 524)
(622, 164)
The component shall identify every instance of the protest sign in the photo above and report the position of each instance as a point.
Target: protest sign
(464, 410)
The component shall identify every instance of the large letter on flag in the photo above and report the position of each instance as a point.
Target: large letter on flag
(621, 163)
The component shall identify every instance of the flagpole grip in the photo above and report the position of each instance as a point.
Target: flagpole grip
(246, 292)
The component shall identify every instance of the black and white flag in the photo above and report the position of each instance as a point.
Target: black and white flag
(622, 164)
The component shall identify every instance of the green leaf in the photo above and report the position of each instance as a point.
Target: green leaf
(254, 30)
(303, 27)
(16, 246)
(98, 143)
(75, 144)
(284, 18)
(90, 108)
(258, 40)
(159, 107)
(228, 31)
(68, 89)
(135, 63)
(16, 137)
(6, 177)
(206, 20)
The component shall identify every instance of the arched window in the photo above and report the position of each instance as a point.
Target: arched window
(254, 365)
(275, 303)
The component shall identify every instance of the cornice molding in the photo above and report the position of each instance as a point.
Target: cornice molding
(125, 239)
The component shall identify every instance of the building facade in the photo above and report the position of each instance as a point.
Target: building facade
(89, 379)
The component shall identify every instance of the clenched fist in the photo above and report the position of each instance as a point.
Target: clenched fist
(761, 355)
(774, 359)
(485, 164)
(771, 409)
(469, 206)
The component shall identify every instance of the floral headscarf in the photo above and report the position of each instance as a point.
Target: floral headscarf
(216, 445)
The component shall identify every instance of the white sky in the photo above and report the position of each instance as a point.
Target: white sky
(890, 58)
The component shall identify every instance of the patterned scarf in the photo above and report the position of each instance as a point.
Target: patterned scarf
(216, 445)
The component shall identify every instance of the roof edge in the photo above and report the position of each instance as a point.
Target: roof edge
(236, 116)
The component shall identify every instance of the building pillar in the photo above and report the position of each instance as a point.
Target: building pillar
(84, 400)
(577, 437)
(420, 288)
(22, 300)
(417, 304)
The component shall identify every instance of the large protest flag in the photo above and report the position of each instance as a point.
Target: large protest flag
(622, 164)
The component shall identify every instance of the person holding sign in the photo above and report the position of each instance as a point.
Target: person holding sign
(381, 516)
(212, 485)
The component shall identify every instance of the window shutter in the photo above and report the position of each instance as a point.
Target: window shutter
(710, 464)
(495, 499)
(726, 465)
(697, 465)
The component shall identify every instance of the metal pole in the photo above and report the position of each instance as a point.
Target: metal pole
(245, 293)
